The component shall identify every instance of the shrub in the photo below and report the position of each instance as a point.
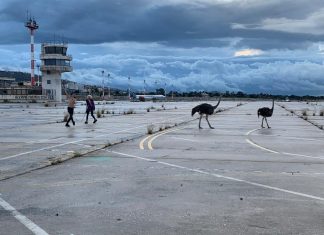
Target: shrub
(98, 114)
(322, 112)
(130, 111)
(150, 129)
(46, 104)
(66, 117)
(102, 111)
(148, 110)
(304, 112)
(77, 154)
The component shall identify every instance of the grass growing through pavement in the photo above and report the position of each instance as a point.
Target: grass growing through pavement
(150, 129)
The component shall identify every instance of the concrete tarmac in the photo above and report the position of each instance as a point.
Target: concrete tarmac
(234, 179)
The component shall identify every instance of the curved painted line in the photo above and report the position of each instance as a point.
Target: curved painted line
(149, 144)
(276, 152)
(260, 147)
(141, 144)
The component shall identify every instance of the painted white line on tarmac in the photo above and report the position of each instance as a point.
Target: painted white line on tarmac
(301, 155)
(273, 151)
(22, 219)
(249, 132)
(190, 140)
(225, 177)
(76, 141)
(260, 147)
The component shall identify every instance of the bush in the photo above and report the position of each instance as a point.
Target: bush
(130, 111)
(98, 113)
(322, 112)
(304, 112)
(66, 117)
(148, 110)
(150, 129)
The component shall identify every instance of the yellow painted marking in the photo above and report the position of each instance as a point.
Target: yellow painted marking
(149, 143)
(141, 145)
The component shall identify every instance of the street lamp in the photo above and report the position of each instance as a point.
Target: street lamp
(144, 86)
(38, 74)
(103, 85)
(165, 89)
(108, 85)
(129, 88)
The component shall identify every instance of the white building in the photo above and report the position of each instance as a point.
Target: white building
(55, 61)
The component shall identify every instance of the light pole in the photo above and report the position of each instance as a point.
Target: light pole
(108, 85)
(103, 85)
(165, 89)
(38, 74)
(144, 86)
(129, 88)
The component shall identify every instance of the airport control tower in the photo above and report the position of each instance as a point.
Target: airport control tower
(55, 61)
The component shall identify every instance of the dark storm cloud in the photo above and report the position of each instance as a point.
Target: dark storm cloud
(185, 24)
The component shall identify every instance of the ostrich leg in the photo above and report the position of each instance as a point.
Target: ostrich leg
(209, 123)
(267, 123)
(200, 121)
(262, 122)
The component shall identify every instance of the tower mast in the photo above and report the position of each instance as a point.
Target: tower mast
(32, 26)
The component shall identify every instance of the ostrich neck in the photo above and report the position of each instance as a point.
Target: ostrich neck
(217, 103)
(272, 105)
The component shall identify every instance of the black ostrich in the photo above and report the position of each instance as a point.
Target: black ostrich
(265, 112)
(206, 109)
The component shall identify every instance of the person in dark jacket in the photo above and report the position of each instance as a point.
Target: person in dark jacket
(90, 108)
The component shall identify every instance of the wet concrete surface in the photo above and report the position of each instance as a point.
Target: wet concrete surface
(234, 179)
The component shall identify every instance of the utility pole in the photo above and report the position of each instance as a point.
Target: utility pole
(144, 86)
(103, 85)
(38, 74)
(108, 85)
(129, 88)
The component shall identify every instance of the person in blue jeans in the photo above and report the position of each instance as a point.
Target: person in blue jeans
(90, 108)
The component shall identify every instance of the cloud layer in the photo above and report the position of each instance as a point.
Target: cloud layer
(252, 46)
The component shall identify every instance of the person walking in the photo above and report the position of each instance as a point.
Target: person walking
(90, 108)
(71, 106)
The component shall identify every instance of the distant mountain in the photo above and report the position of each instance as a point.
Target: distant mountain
(19, 76)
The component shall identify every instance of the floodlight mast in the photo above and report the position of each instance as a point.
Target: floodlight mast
(32, 25)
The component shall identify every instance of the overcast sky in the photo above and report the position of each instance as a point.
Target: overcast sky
(269, 46)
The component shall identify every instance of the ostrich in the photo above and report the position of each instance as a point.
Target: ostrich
(265, 112)
(206, 109)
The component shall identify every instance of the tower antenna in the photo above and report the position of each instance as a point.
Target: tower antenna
(32, 25)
